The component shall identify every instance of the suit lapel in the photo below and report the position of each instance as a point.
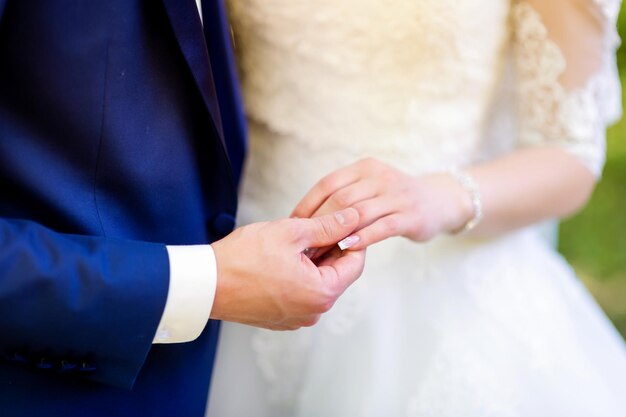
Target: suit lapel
(185, 21)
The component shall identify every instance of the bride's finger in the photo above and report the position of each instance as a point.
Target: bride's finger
(350, 195)
(381, 229)
(370, 211)
(326, 187)
(376, 208)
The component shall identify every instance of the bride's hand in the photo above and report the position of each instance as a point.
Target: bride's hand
(390, 202)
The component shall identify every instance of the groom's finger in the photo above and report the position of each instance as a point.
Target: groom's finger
(340, 269)
(370, 211)
(327, 230)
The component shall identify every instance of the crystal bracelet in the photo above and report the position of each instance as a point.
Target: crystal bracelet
(470, 185)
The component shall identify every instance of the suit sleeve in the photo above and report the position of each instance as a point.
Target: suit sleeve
(84, 306)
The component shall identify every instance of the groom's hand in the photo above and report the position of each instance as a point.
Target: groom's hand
(264, 279)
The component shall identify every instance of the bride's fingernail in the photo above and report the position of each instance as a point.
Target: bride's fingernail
(340, 218)
(348, 242)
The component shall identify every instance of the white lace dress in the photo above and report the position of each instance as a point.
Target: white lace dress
(459, 326)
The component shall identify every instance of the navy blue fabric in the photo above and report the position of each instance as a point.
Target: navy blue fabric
(227, 85)
(114, 141)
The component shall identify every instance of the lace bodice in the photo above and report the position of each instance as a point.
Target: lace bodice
(414, 81)
(408, 82)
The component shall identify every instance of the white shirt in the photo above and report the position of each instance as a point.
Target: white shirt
(193, 280)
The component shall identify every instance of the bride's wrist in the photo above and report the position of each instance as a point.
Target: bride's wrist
(469, 201)
(454, 206)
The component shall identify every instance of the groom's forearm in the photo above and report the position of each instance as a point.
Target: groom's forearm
(83, 306)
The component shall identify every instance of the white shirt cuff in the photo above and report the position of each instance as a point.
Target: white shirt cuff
(193, 280)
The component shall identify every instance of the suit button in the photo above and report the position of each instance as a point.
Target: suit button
(44, 364)
(67, 366)
(86, 367)
(222, 224)
(16, 357)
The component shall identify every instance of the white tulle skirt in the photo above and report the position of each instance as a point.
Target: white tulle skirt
(458, 327)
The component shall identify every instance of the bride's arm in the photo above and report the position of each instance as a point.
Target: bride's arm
(568, 91)
(528, 186)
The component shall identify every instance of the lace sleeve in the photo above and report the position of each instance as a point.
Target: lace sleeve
(568, 87)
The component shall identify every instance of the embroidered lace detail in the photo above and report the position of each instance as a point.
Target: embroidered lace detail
(370, 79)
(609, 8)
(549, 114)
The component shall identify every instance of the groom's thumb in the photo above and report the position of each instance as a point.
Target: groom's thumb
(329, 229)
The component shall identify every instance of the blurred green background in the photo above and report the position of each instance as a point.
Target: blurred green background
(594, 241)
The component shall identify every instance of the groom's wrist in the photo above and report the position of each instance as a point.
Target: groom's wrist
(193, 277)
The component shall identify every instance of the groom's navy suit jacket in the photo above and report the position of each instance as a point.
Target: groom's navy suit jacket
(120, 131)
